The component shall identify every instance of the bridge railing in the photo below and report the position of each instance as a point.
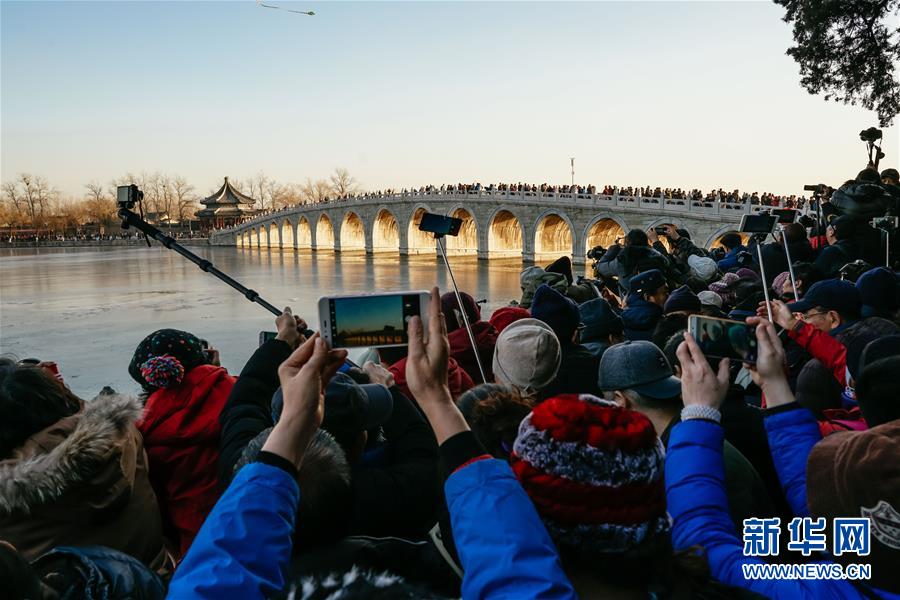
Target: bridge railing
(684, 206)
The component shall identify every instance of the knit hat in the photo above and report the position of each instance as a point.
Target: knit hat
(858, 475)
(505, 316)
(557, 311)
(709, 298)
(450, 308)
(163, 357)
(878, 290)
(594, 471)
(702, 267)
(599, 320)
(527, 355)
(725, 288)
(563, 266)
(779, 281)
(682, 300)
(890, 174)
(745, 273)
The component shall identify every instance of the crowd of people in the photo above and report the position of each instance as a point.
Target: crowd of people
(584, 441)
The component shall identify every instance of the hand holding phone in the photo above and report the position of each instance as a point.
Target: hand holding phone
(723, 338)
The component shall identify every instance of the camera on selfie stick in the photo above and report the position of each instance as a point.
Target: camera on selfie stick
(441, 226)
(129, 196)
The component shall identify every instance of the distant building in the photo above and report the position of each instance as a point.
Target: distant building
(225, 208)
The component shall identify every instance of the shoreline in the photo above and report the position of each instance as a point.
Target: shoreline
(97, 243)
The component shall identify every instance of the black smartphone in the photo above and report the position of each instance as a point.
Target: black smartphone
(660, 230)
(440, 224)
(724, 338)
(265, 336)
(785, 215)
(758, 223)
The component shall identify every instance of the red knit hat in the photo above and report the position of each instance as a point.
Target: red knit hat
(594, 471)
(506, 316)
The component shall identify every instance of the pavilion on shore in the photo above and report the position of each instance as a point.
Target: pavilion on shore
(225, 208)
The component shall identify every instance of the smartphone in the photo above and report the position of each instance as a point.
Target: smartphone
(265, 336)
(758, 223)
(371, 319)
(440, 224)
(724, 338)
(785, 215)
(660, 230)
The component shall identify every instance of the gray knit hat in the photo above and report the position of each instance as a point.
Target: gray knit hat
(527, 355)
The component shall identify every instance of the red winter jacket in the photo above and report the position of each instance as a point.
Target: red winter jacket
(461, 349)
(824, 347)
(181, 430)
(458, 380)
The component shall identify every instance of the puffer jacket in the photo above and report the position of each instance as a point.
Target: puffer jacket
(534, 277)
(98, 573)
(863, 200)
(181, 432)
(83, 481)
(640, 318)
(623, 262)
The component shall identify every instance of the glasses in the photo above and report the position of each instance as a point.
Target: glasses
(808, 316)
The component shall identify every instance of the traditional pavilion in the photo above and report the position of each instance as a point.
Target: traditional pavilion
(225, 208)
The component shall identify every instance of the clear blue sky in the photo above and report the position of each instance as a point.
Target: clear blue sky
(410, 93)
(369, 313)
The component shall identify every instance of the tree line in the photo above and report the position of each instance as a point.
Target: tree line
(31, 201)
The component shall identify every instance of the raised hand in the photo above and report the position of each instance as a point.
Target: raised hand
(769, 371)
(289, 328)
(699, 384)
(378, 374)
(303, 378)
(781, 314)
(426, 372)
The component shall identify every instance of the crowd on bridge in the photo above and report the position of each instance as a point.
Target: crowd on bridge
(583, 441)
(675, 195)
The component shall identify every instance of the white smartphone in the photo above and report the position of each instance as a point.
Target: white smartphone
(366, 320)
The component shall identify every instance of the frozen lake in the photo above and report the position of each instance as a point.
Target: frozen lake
(88, 308)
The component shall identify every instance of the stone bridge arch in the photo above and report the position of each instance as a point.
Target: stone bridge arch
(714, 238)
(417, 242)
(274, 235)
(303, 238)
(351, 233)
(554, 235)
(466, 243)
(603, 230)
(287, 234)
(505, 234)
(324, 233)
(385, 231)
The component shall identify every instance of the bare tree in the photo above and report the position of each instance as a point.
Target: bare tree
(98, 206)
(185, 202)
(343, 184)
(315, 191)
(13, 203)
(31, 196)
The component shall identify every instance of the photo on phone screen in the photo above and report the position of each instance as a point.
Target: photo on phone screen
(723, 338)
(758, 223)
(370, 320)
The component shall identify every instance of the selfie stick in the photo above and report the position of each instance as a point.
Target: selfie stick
(787, 252)
(462, 310)
(130, 219)
(762, 272)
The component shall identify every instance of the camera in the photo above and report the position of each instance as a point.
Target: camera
(816, 188)
(852, 270)
(871, 135)
(888, 224)
(128, 195)
(596, 253)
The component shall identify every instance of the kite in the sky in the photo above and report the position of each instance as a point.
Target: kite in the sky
(299, 12)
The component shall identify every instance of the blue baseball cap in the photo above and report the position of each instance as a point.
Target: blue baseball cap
(647, 282)
(878, 292)
(832, 294)
(640, 366)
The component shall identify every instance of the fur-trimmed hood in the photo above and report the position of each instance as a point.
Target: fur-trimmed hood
(68, 453)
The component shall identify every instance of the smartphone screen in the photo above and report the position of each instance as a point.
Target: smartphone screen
(440, 224)
(758, 223)
(370, 320)
(724, 338)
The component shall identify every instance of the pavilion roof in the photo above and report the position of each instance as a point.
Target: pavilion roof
(228, 196)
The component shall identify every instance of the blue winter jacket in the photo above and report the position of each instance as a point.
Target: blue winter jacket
(244, 547)
(792, 434)
(695, 494)
(100, 573)
(730, 261)
(640, 318)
